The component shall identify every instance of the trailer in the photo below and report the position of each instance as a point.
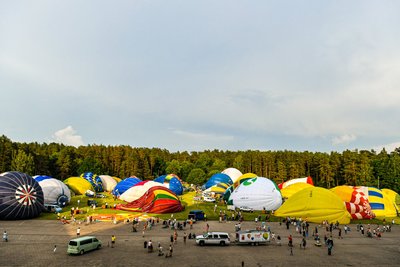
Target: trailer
(252, 237)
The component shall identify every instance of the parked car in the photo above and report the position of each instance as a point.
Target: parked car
(213, 238)
(91, 202)
(52, 208)
(196, 215)
(208, 199)
(246, 209)
(83, 244)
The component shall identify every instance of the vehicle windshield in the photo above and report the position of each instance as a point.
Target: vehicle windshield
(73, 243)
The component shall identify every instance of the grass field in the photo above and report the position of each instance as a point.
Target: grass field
(186, 199)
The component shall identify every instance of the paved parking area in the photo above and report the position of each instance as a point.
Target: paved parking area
(31, 243)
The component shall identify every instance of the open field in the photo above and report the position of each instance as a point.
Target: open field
(31, 243)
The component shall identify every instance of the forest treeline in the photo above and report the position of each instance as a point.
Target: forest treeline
(327, 169)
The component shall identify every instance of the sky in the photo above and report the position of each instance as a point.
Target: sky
(199, 75)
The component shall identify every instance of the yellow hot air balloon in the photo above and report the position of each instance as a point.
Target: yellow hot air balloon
(315, 204)
(290, 190)
(78, 185)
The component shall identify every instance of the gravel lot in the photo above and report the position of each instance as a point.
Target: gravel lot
(31, 243)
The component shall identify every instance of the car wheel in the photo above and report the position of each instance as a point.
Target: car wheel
(222, 243)
(201, 243)
(81, 252)
(99, 246)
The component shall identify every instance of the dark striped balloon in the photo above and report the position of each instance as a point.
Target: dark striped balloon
(21, 197)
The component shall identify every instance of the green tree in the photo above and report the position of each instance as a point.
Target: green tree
(22, 162)
(197, 176)
(173, 167)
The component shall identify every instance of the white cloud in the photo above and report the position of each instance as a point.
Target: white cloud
(68, 136)
(343, 139)
(388, 147)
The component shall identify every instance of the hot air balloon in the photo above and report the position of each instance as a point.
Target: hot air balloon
(306, 180)
(172, 182)
(315, 204)
(356, 202)
(233, 173)
(257, 193)
(78, 185)
(21, 197)
(55, 192)
(108, 182)
(95, 180)
(124, 185)
(217, 178)
(157, 199)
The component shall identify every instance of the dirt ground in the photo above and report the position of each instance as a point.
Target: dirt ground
(31, 243)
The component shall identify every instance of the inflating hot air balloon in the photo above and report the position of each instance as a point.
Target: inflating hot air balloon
(290, 190)
(393, 198)
(136, 191)
(124, 185)
(21, 197)
(219, 188)
(39, 178)
(257, 193)
(356, 202)
(239, 180)
(95, 180)
(380, 205)
(55, 192)
(172, 182)
(78, 185)
(315, 204)
(108, 182)
(233, 173)
(306, 180)
(157, 199)
(217, 178)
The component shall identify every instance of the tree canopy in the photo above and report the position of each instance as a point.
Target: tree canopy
(327, 169)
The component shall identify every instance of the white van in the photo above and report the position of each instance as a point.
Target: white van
(213, 238)
(83, 244)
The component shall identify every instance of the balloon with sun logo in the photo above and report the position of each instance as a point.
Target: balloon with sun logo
(21, 197)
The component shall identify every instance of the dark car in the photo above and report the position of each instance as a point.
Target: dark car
(91, 202)
(196, 215)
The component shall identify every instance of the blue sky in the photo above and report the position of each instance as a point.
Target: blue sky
(194, 75)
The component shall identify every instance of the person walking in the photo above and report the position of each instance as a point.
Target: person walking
(55, 249)
(184, 238)
(78, 231)
(169, 251)
(113, 238)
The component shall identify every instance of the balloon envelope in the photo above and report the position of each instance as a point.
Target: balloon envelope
(233, 173)
(78, 185)
(124, 185)
(55, 192)
(172, 182)
(218, 178)
(315, 204)
(21, 197)
(108, 182)
(258, 193)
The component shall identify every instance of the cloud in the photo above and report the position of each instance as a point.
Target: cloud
(68, 136)
(388, 147)
(343, 139)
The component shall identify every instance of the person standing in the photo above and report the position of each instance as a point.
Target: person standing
(184, 238)
(113, 238)
(330, 245)
(5, 236)
(55, 249)
(78, 231)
